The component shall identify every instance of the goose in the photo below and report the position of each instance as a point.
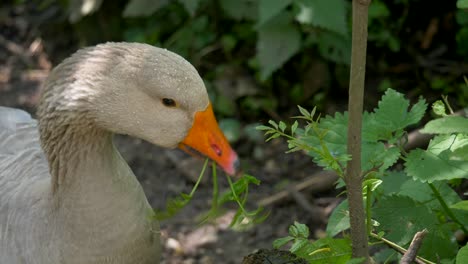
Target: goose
(66, 194)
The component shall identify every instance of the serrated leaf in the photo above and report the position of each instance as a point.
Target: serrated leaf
(462, 255)
(440, 161)
(439, 237)
(447, 125)
(269, 8)
(417, 112)
(438, 107)
(135, 8)
(392, 113)
(278, 41)
(282, 241)
(318, 13)
(410, 215)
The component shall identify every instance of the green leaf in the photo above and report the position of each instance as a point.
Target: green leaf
(135, 8)
(262, 127)
(378, 10)
(447, 125)
(298, 245)
(405, 212)
(439, 243)
(240, 9)
(462, 4)
(282, 126)
(190, 5)
(318, 13)
(273, 123)
(294, 127)
(356, 261)
(445, 159)
(269, 8)
(282, 241)
(462, 256)
(392, 113)
(439, 108)
(304, 112)
(278, 41)
(335, 47)
(339, 219)
(303, 230)
(331, 251)
(463, 205)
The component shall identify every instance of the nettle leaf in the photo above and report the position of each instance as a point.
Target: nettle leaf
(267, 9)
(318, 13)
(278, 41)
(136, 8)
(392, 113)
(339, 219)
(462, 256)
(444, 159)
(400, 217)
(438, 243)
(447, 125)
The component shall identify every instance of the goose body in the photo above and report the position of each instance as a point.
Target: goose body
(66, 194)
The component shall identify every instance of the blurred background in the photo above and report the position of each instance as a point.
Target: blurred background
(259, 60)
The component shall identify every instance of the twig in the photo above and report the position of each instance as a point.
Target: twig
(317, 182)
(413, 249)
(401, 250)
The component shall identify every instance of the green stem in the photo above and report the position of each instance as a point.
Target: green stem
(199, 178)
(368, 209)
(447, 209)
(241, 206)
(215, 186)
(398, 248)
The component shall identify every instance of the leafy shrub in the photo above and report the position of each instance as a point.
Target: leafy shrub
(399, 203)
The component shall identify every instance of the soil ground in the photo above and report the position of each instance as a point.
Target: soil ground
(25, 61)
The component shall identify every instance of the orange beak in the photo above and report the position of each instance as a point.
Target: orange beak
(206, 137)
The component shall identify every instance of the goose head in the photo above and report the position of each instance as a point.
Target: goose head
(145, 92)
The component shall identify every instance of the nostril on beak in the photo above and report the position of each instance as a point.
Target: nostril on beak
(217, 150)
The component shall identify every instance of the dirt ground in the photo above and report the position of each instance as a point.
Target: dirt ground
(25, 63)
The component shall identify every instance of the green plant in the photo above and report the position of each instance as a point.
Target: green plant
(398, 203)
(238, 194)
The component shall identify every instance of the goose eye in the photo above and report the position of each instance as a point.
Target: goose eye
(169, 102)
